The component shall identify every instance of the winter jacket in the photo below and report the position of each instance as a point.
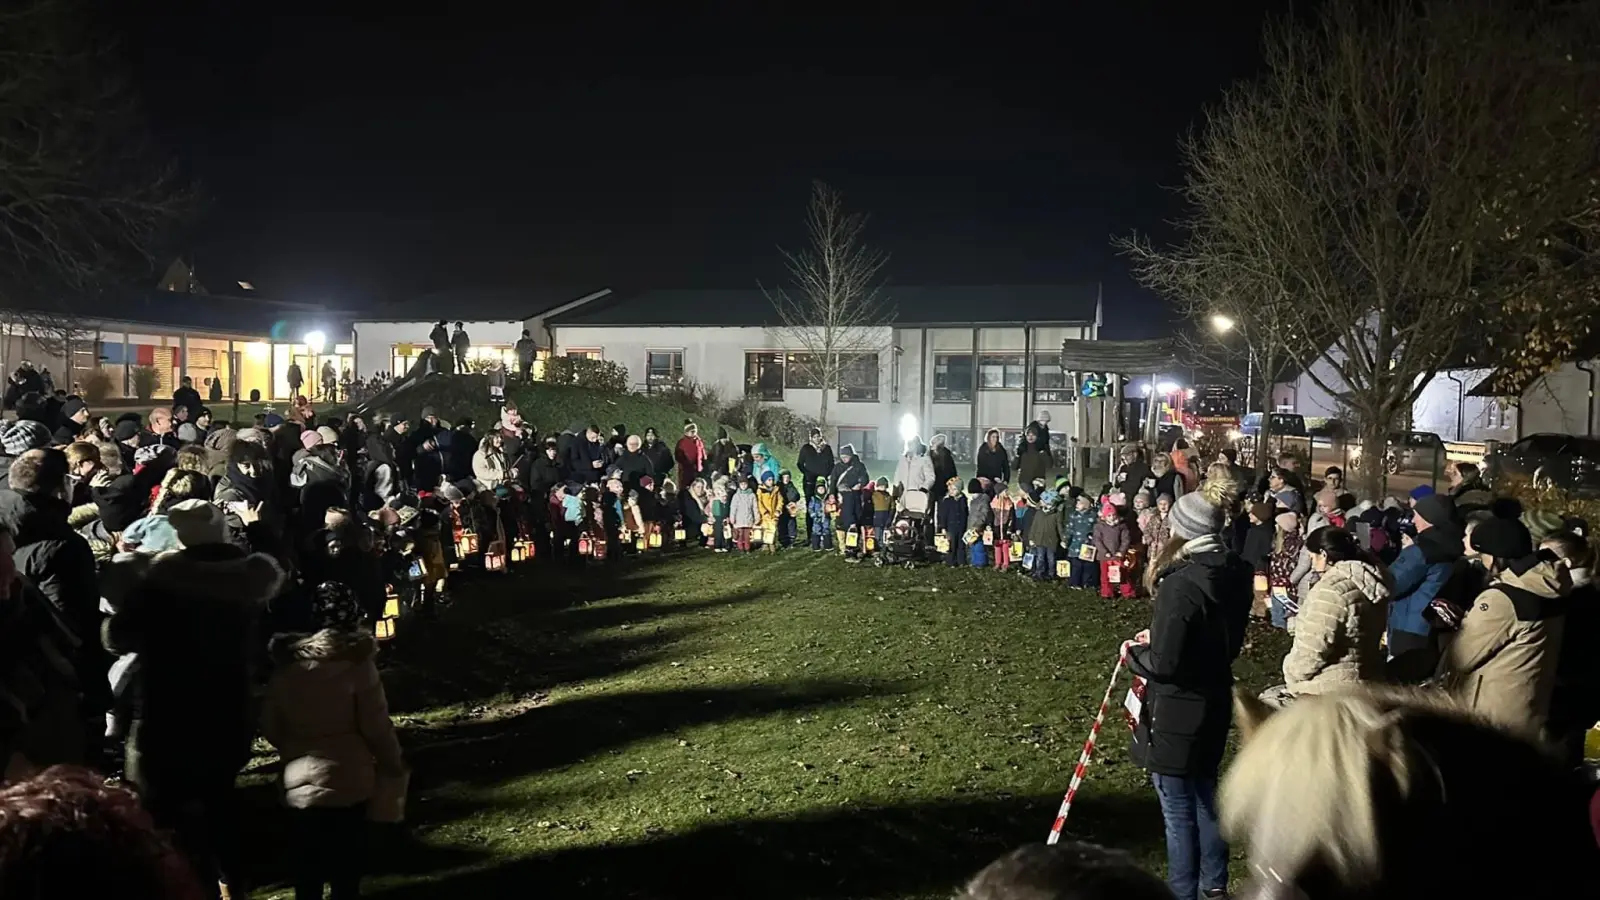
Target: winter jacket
(744, 511)
(583, 454)
(661, 459)
(1033, 463)
(326, 712)
(690, 457)
(952, 515)
(767, 465)
(1131, 478)
(769, 505)
(193, 620)
(488, 469)
(1418, 573)
(815, 462)
(723, 454)
(1003, 514)
(994, 463)
(914, 472)
(1471, 496)
(1156, 530)
(40, 713)
(1502, 662)
(1258, 546)
(1111, 539)
(541, 473)
(1080, 530)
(1575, 704)
(1337, 631)
(54, 558)
(979, 515)
(847, 476)
(1197, 629)
(944, 466)
(817, 515)
(1044, 527)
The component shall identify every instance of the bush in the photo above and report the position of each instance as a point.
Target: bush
(696, 397)
(97, 386)
(782, 425)
(600, 375)
(1550, 498)
(145, 381)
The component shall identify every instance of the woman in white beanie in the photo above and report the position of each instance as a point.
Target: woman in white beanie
(1202, 602)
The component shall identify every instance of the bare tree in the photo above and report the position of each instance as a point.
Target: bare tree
(83, 198)
(1405, 180)
(835, 311)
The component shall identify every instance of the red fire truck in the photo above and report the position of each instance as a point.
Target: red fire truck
(1213, 407)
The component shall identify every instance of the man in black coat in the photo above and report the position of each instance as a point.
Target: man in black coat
(586, 459)
(659, 454)
(188, 398)
(815, 462)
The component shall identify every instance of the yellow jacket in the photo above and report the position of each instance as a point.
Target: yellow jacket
(769, 503)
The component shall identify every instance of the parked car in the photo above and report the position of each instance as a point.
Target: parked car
(1567, 461)
(1416, 451)
(1283, 425)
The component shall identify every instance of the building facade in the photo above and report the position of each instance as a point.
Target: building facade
(939, 361)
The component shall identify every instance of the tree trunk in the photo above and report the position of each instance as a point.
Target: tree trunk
(823, 412)
(1374, 446)
(1264, 460)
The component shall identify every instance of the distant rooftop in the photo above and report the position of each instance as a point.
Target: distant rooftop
(477, 304)
(912, 305)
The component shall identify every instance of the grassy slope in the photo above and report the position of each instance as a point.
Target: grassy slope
(785, 726)
(551, 408)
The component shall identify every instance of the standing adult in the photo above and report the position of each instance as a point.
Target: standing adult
(587, 459)
(1135, 474)
(1420, 574)
(295, 377)
(762, 464)
(328, 382)
(526, 350)
(1033, 455)
(461, 345)
(659, 454)
(187, 397)
(724, 453)
(944, 465)
(440, 338)
(914, 471)
(994, 463)
(690, 454)
(815, 462)
(634, 463)
(1202, 604)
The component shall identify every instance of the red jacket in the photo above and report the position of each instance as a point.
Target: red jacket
(691, 457)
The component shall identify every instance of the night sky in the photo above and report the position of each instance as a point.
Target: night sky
(354, 162)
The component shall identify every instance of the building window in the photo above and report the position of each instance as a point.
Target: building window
(952, 377)
(763, 376)
(801, 372)
(960, 444)
(584, 354)
(663, 369)
(864, 440)
(1001, 372)
(859, 378)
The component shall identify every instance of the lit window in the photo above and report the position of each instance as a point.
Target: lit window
(1001, 372)
(663, 369)
(858, 378)
(763, 376)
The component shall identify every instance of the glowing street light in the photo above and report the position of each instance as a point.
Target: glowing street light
(1167, 387)
(1223, 323)
(316, 342)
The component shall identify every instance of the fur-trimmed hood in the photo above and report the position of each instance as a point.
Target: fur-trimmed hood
(223, 570)
(325, 646)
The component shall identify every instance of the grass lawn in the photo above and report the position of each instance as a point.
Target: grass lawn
(783, 726)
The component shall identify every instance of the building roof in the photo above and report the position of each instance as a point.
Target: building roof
(1119, 357)
(750, 307)
(516, 304)
(180, 310)
(1501, 383)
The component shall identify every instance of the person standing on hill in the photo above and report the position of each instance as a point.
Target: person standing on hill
(461, 344)
(295, 377)
(724, 453)
(691, 454)
(659, 454)
(440, 337)
(526, 350)
(816, 461)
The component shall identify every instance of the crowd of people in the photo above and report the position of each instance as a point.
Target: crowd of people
(169, 563)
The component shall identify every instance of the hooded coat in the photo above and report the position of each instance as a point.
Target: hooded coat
(767, 465)
(326, 712)
(1033, 460)
(944, 463)
(1419, 573)
(660, 456)
(914, 471)
(193, 620)
(723, 453)
(1338, 628)
(994, 463)
(1502, 662)
(815, 463)
(54, 558)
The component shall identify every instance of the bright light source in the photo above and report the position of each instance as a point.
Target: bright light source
(1188, 394)
(1167, 387)
(316, 342)
(908, 427)
(1144, 389)
(1222, 323)
(1235, 434)
(247, 285)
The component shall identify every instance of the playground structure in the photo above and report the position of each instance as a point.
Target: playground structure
(1103, 417)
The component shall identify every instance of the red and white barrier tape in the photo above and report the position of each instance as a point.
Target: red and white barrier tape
(1130, 705)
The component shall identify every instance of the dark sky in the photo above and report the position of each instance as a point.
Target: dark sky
(354, 161)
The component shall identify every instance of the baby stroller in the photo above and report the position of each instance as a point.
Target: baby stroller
(905, 543)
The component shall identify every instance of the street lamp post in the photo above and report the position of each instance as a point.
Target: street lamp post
(1223, 325)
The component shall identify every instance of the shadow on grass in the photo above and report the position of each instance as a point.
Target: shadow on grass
(550, 736)
(875, 851)
(463, 662)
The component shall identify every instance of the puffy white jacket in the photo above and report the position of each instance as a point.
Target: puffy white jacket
(914, 473)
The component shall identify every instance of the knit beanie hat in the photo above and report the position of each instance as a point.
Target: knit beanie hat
(328, 435)
(1288, 521)
(1421, 490)
(273, 420)
(118, 503)
(72, 407)
(1542, 523)
(198, 522)
(309, 439)
(1436, 509)
(23, 435)
(1502, 539)
(1193, 516)
(125, 431)
(333, 605)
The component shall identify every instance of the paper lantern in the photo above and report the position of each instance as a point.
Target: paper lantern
(988, 537)
(1016, 550)
(851, 539)
(707, 530)
(655, 540)
(638, 542)
(415, 571)
(1063, 568)
(679, 534)
(467, 544)
(769, 535)
(494, 558)
(585, 546)
(600, 549)
(1114, 572)
(941, 542)
(383, 629)
(391, 605)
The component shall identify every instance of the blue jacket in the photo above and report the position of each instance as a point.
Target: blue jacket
(1080, 528)
(817, 516)
(767, 464)
(1419, 572)
(952, 515)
